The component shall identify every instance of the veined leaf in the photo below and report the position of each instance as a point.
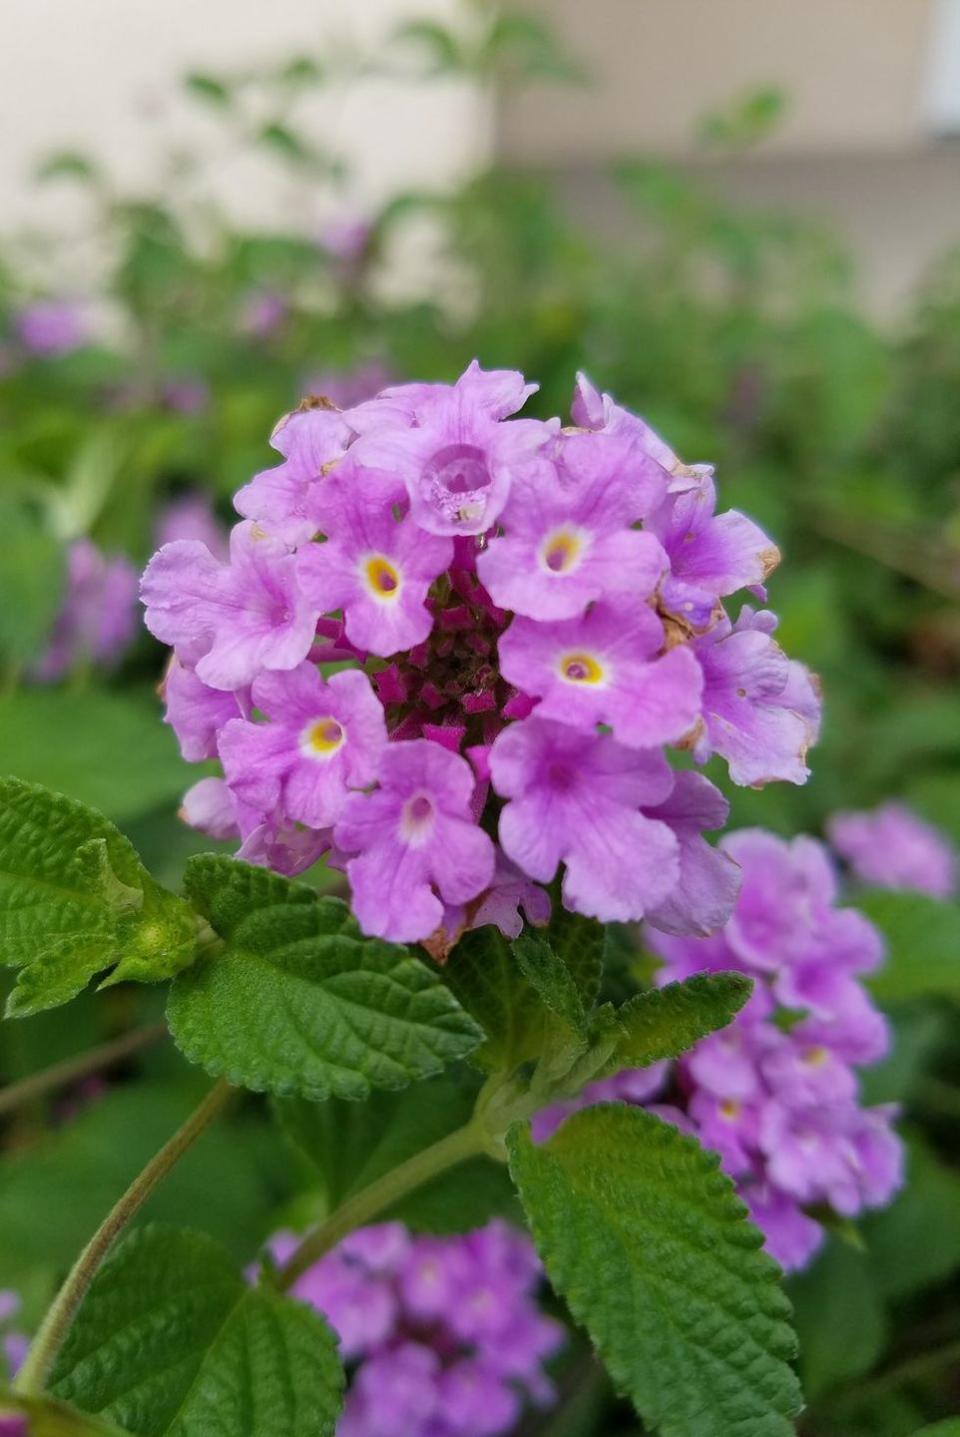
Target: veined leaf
(47, 1418)
(75, 900)
(170, 1341)
(664, 1022)
(486, 978)
(648, 1243)
(300, 1002)
(551, 979)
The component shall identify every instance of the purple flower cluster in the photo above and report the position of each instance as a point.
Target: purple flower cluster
(775, 1093)
(442, 1335)
(97, 621)
(530, 613)
(13, 1346)
(892, 847)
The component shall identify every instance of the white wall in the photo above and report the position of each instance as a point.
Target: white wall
(102, 74)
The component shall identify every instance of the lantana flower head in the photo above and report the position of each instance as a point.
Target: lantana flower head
(524, 616)
(776, 1092)
(442, 1336)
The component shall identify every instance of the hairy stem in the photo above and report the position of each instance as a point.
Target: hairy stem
(465, 1142)
(55, 1326)
(71, 1070)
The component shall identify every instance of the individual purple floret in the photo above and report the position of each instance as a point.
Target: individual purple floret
(442, 1336)
(509, 587)
(51, 328)
(776, 1092)
(892, 847)
(97, 621)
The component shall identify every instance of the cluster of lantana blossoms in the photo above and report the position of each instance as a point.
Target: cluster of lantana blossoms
(892, 847)
(527, 614)
(442, 1335)
(775, 1093)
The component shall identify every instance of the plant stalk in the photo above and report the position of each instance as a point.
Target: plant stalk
(466, 1142)
(32, 1377)
(71, 1070)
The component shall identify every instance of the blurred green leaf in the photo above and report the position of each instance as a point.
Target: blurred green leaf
(203, 86)
(107, 749)
(839, 1316)
(31, 584)
(923, 944)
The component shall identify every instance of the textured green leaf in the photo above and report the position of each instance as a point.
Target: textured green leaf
(226, 891)
(300, 1002)
(75, 900)
(551, 979)
(170, 1341)
(486, 978)
(666, 1021)
(579, 942)
(103, 748)
(353, 1144)
(923, 944)
(648, 1243)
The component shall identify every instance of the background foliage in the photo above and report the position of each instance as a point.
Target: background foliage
(736, 335)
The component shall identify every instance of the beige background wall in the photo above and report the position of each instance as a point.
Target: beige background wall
(101, 73)
(854, 70)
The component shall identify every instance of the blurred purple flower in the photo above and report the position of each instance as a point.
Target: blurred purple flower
(191, 516)
(51, 328)
(98, 615)
(442, 1335)
(892, 847)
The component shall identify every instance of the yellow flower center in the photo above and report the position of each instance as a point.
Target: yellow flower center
(382, 578)
(581, 668)
(730, 1109)
(322, 738)
(561, 551)
(816, 1056)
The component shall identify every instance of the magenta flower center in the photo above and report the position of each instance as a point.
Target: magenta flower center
(417, 819)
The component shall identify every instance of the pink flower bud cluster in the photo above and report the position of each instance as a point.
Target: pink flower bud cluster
(449, 647)
(442, 1336)
(776, 1092)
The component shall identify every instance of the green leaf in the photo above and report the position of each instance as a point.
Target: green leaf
(67, 165)
(839, 1317)
(486, 978)
(551, 979)
(225, 890)
(54, 1419)
(950, 1427)
(171, 1341)
(105, 749)
(203, 86)
(923, 944)
(666, 1021)
(75, 900)
(915, 1241)
(648, 1243)
(300, 1002)
(353, 1144)
(31, 584)
(580, 943)
(54, 1191)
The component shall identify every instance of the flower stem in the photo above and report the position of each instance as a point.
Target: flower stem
(465, 1142)
(55, 1326)
(71, 1070)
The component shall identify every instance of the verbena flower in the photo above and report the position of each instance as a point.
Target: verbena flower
(51, 328)
(13, 1346)
(539, 611)
(97, 621)
(892, 847)
(776, 1092)
(442, 1336)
